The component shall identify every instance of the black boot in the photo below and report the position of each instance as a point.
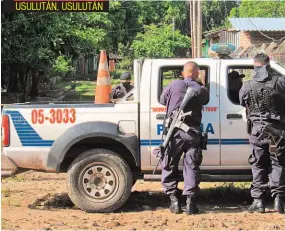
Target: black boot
(279, 204)
(175, 206)
(191, 207)
(257, 206)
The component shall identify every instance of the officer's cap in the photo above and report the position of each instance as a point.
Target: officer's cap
(126, 76)
(235, 75)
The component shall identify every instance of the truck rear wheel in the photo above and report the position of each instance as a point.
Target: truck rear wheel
(99, 180)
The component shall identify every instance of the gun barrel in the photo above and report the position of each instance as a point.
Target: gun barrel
(190, 93)
(275, 132)
(167, 138)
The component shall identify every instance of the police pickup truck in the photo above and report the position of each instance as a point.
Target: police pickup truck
(105, 148)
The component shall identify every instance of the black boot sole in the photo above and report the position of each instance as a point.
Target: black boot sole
(257, 211)
(175, 211)
(192, 212)
(279, 211)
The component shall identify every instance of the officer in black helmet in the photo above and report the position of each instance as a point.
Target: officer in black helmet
(263, 96)
(123, 88)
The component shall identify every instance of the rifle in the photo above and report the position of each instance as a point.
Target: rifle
(275, 136)
(176, 122)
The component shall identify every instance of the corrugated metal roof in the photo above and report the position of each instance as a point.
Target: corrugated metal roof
(258, 24)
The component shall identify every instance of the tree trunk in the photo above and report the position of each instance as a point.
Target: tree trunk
(13, 83)
(25, 87)
(34, 88)
(22, 77)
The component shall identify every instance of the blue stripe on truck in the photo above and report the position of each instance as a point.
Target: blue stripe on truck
(29, 137)
(210, 142)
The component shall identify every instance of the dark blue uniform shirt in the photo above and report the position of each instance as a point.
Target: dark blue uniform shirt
(172, 97)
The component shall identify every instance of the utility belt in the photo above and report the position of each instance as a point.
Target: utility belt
(184, 127)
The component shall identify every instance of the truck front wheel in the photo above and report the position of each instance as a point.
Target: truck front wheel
(99, 180)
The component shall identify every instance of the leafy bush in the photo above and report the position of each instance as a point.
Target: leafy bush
(116, 74)
(160, 42)
(62, 66)
(126, 64)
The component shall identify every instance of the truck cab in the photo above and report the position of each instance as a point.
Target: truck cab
(105, 148)
(223, 118)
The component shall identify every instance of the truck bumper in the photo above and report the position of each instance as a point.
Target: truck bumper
(8, 167)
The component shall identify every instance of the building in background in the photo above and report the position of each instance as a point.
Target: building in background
(252, 35)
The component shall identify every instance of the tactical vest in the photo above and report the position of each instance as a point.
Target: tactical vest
(263, 98)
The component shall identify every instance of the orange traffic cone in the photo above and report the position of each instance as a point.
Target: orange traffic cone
(103, 88)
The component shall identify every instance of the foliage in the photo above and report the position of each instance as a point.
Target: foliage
(159, 42)
(264, 9)
(115, 75)
(126, 64)
(37, 46)
(215, 13)
(62, 66)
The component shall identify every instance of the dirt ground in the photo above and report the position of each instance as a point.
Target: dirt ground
(39, 201)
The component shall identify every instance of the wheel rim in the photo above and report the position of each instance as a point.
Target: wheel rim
(99, 182)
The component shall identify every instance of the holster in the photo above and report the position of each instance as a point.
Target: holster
(204, 141)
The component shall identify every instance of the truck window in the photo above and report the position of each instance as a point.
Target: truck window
(235, 78)
(169, 73)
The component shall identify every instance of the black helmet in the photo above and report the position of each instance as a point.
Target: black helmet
(126, 76)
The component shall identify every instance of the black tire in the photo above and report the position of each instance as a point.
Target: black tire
(99, 180)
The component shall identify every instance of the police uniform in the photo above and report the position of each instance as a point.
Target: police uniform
(265, 107)
(122, 89)
(235, 84)
(182, 142)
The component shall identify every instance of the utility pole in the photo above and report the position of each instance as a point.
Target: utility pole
(199, 29)
(191, 25)
(194, 11)
(196, 27)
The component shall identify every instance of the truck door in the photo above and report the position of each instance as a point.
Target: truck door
(165, 71)
(235, 148)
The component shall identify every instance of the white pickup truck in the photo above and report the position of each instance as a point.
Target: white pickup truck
(105, 148)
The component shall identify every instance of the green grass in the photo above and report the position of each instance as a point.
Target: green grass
(17, 178)
(238, 191)
(84, 90)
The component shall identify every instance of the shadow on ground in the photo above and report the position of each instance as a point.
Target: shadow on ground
(225, 199)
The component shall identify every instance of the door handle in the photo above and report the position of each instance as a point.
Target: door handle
(160, 116)
(234, 116)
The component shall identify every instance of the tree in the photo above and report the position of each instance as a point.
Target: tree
(36, 46)
(32, 43)
(159, 42)
(215, 13)
(263, 9)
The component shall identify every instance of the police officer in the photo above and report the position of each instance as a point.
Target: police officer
(189, 143)
(123, 88)
(235, 84)
(265, 107)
